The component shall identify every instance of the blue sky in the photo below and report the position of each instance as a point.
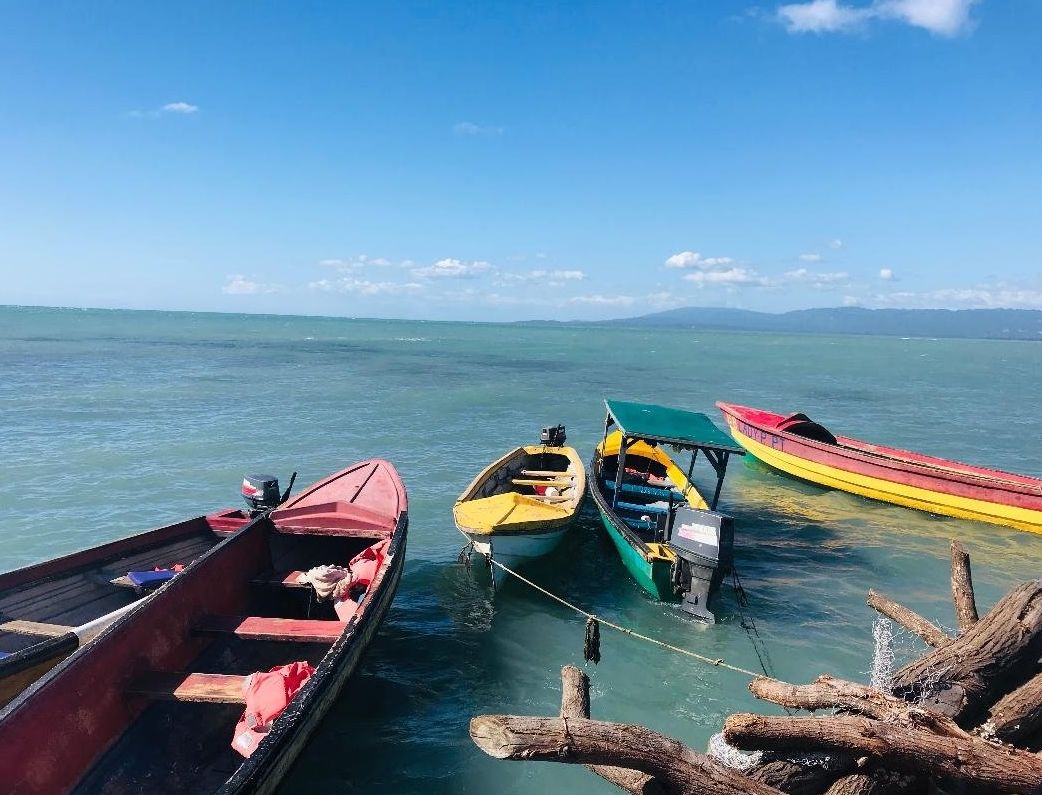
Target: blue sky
(489, 160)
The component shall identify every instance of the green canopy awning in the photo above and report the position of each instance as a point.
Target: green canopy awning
(672, 426)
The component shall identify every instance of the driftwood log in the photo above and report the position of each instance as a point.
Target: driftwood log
(909, 619)
(964, 677)
(593, 742)
(575, 703)
(1000, 768)
(962, 588)
(899, 742)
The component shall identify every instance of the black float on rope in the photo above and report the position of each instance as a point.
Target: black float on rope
(592, 645)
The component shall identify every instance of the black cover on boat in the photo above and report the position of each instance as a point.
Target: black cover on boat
(802, 425)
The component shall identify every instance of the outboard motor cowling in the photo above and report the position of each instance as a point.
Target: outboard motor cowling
(704, 543)
(553, 436)
(261, 492)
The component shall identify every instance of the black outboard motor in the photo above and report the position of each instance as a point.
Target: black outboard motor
(553, 436)
(261, 493)
(704, 544)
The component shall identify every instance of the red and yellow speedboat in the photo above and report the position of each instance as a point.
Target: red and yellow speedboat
(800, 447)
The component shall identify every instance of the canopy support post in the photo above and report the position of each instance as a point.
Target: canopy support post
(721, 467)
(621, 473)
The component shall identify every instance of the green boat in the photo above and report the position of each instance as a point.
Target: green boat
(673, 542)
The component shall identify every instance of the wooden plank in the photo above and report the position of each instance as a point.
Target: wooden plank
(204, 688)
(543, 473)
(35, 628)
(275, 580)
(294, 630)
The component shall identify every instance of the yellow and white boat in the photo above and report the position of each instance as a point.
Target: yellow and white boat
(519, 507)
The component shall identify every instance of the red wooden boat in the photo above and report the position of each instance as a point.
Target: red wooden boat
(49, 609)
(152, 703)
(798, 446)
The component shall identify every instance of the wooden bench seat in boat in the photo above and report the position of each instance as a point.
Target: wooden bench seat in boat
(201, 688)
(632, 506)
(647, 491)
(543, 473)
(288, 580)
(35, 628)
(290, 630)
(564, 482)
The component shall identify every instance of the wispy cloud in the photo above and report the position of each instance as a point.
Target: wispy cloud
(356, 263)
(732, 277)
(692, 259)
(817, 279)
(238, 284)
(996, 295)
(940, 17)
(552, 278)
(470, 128)
(451, 268)
(602, 300)
(351, 284)
(811, 257)
(836, 244)
(170, 108)
(887, 274)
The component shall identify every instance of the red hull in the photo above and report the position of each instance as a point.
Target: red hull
(888, 463)
(86, 726)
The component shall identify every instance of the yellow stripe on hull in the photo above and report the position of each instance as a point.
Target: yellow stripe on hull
(889, 491)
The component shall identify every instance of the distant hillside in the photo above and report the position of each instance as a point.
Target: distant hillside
(1019, 324)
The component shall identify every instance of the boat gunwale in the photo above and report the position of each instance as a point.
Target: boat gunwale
(277, 754)
(265, 768)
(852, 449)
(550, 524)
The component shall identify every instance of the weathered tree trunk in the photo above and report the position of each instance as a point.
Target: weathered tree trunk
(592, 742)
(962, 588)
(967, 759)
(793, 778)
(1017, 715)
(876, 782)
(962, 678)
(575, 703)
(827, 692)
(908, 619)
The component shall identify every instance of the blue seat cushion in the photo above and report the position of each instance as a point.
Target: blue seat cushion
(647, 491)
(146, 579)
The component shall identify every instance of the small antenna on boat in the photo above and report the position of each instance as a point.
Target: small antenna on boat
(289, 488)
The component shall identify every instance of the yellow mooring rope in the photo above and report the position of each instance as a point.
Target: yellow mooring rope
(718, 663)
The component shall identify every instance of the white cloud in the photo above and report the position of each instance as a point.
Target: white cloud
(994, 295)
(812, 257)
(819, 280)
(470, 128)
(351, 284)
(886, 274)
(692, 259)
(731, 276)
(836, 244)
(603, 300)
(552, 278)
(357, 263)
(238, 284)
(821, 16)
(941, 17)
(451, 268)
(179, 107)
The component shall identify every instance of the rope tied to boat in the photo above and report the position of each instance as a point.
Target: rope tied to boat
(717, 662)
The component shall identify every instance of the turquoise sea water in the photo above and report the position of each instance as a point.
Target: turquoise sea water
(114, 422)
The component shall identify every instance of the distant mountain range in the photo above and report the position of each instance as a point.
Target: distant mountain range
(1016, 324)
